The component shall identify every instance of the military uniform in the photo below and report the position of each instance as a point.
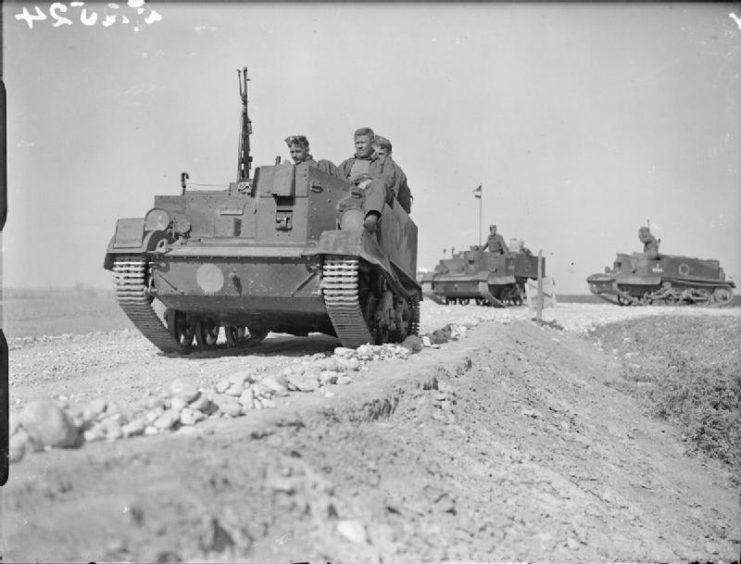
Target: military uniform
(495, 243)
(376, 174)
(401, 188)
(650, 244)
(324, 165)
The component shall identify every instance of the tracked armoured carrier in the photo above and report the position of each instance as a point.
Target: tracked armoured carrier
(487, 278)
(650, 278)
(270, 253)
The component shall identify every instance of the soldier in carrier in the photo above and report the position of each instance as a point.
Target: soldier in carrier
(298, 145)
(374, 174)
(495, 242)
(382, 147)
(650, 243)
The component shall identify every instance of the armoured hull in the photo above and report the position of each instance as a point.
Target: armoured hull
(642, 279)
(487, 278)
(285, 253)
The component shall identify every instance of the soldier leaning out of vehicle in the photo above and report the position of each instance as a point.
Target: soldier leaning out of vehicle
(495, 242)
(650, 243)
(299, 147)
(374, 174)
(382, 148)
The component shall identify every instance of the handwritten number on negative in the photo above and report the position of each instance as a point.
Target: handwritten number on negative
(29, 18)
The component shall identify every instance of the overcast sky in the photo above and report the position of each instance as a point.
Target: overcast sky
(582, 121)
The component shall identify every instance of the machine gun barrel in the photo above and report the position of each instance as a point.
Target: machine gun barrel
(244, 159)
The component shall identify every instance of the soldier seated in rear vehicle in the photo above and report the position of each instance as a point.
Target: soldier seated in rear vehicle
(650, 243)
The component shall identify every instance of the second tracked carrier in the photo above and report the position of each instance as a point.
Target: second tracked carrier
(487, 278)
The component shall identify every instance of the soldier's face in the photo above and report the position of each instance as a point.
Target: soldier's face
(381, 151)
(299, 153)
(363, 146)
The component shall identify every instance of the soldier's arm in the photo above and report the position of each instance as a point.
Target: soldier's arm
(345, 167)
(387, 173)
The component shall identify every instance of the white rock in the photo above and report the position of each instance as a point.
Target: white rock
(152, 416)
(178, 404)
(302, 382)
(223, 385)
(190, 416)
(354, 531)
(202, 404)
(97, 433)
(329, 377)
(326, 364)
(167, 420)
(276, 383)
(239, 378)
(134, 428)
(344, 379)
(348, 363)
(186, 392)
(114, 433)
(426, 341)
(46, 423)
(95, 408)
(18, 445)
(344, 352)
(235, 389)
(229, 405)
(247, 398)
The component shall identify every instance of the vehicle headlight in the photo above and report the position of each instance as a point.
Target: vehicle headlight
(156, 220)
(351, 220)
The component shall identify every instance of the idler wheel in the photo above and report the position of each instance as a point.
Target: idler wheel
(722, 295)
(179, 327)
(207, 333)
(464, 301)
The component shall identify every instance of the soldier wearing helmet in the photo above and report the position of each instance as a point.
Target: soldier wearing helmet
(650, 243)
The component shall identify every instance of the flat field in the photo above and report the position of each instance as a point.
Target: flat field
(36, 313)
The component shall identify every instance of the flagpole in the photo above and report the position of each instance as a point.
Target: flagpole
(481, 206)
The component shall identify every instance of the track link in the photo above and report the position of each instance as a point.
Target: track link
(340, 288)
(130, 276)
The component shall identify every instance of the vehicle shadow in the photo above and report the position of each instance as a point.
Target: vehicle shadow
(275, 344)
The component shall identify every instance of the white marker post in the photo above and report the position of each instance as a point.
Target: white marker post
(539, 299)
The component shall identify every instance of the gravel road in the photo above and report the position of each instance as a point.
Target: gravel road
(510, 441)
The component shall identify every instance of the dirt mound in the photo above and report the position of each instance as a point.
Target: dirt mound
(513, 443)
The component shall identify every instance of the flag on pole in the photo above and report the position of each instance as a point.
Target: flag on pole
(477, 192)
